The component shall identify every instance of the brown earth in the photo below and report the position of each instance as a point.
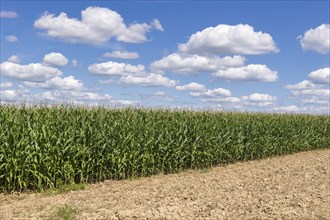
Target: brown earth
(289, 187)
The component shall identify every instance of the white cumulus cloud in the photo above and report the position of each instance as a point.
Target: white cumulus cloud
(67, 83)
(252, 72)
(321, 76)
(32, 72)
(317, 92)
(289, 108)
(67, 95)
(81, 98)
(305, 84)
(308, 92)
(259, 97)
(97, 25)
(227, 39)
(229, 100)
(13, 95)
(193, 86)
(8, 94)
(151, 79)
(317, 39)
(188, 64)
(13, 59)
(115, 69)
(316, 100)
(55, 59)
(5, 85)
(122, 54)
(212, 93)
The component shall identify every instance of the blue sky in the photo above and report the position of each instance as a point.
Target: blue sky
(270, 56)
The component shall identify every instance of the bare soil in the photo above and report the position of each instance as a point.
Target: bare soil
(289, 187)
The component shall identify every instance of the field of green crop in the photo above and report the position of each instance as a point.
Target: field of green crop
(44, 147)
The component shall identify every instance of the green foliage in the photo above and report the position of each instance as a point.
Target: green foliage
(65, 213)
(46, 147)
(60, 189)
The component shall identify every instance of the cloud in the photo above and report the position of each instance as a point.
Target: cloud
(122, 54)
(305, 84)
(8, 14)
(308, 88)
(225, 97)
(115, 69)
(123, 102)
(32, 72)
(147, 80)
(67, 83)
(159, 93)
(75, 63)
(97, 25)
(226, 39)
(309, 93)
(156, 24)
(91, 96)
(314, 109)
(201, 54)
(317, 92)
(8, 94)
(11, 38)
(317, 39)
(252, 72)
(259, 97)
(321, 76)
(76, 97)
(161, 96)
(13, 95)
(191, 87)
(188, 64)
(290, 108)
(316, 100)
(5, 85)
(229, 100)
(66, 95)
(55, 59)
(13, 59)
(81, 98)
(318, 109)
(107, 81)
(212, 93)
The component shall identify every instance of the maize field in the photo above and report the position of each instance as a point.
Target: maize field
(44, 147)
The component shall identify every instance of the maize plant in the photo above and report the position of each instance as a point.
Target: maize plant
(44, 147)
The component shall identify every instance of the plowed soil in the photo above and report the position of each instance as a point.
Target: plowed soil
(289, 187)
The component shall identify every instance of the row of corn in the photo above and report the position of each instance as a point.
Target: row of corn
(43, 147)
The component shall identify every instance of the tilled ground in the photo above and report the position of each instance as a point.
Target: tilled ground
(289, 187)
